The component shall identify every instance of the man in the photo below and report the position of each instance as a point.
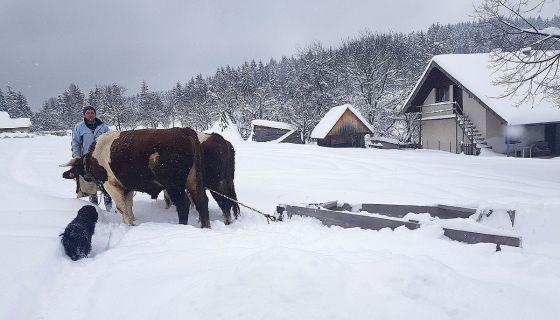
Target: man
(83, 135)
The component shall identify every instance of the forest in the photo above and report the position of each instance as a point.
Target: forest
(375, 72)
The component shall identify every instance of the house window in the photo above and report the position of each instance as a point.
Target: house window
(442, 94)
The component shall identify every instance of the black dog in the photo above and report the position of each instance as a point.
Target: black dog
(76, 238)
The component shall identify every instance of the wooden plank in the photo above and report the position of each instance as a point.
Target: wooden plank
(475, 237)
(329, 218)
(399, 211)
(349, 220)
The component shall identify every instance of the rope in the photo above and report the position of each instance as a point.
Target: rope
(268, 217)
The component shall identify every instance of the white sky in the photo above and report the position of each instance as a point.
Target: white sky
(46, 45)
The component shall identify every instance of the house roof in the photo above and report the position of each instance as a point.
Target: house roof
(272, 124)
(475, 75)
(331, 118)
(8, 123)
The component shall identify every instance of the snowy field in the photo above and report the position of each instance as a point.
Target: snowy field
(297, 269)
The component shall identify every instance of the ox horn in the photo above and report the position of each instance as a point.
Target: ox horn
(69, 163)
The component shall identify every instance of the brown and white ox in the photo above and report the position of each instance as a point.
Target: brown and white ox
(218, 163)
(147, 160)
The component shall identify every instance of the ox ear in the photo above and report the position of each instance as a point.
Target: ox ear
(70, 163)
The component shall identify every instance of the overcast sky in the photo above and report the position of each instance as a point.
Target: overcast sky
(46, 45)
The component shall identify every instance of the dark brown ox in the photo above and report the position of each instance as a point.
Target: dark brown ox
(148, 160)
(218, 163)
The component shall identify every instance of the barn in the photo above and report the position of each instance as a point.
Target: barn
(8, 124)
(265, 131)
(342, 127)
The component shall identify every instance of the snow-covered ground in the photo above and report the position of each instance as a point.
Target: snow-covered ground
(297, 269)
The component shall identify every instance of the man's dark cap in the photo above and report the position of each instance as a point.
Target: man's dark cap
(89, 108)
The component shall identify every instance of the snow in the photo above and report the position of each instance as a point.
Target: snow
(272, 124)
(474, 72)
(385, 139)
(331, 117)
(443, 116)
(228, 130)
(8, 123)
(296, 269)
(553, 31)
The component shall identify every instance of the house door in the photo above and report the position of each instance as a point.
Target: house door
(550, 137)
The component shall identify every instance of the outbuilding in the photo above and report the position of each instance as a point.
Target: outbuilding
(342, 127)
(8, 124)
(274, 131)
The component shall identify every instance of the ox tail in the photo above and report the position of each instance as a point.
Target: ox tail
(235, 206)
(231, 175)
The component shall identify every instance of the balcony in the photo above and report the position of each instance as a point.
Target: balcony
(440, 110)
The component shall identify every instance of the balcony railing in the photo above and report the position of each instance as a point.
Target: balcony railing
(441, 109)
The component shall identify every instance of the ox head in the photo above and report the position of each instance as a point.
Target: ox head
(76, 168)
(84, 181)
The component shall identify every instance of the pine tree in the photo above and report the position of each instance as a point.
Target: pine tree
(23, 110)
(3, 105)
(148, 104)
(112, 105)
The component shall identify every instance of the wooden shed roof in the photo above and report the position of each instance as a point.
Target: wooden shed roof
(332, 117)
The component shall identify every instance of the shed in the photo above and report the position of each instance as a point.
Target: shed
(274, 131)
(342, 127)
(8, 124)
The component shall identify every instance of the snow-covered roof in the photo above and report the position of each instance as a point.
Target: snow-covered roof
(329, 120)
(272, 124)
(8, 123)
(475, 74)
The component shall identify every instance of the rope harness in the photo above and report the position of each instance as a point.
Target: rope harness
(268, 217)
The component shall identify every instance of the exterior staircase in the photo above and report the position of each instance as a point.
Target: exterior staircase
(472, 133)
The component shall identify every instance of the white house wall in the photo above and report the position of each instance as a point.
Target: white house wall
(441, 134)
(475, 112)
(495, 133)
(431, 98)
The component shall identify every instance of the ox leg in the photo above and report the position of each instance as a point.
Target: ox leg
(225, 204)
(123, 201)
(182, 203)
(201, 203)
(167, 199)
(197, 192)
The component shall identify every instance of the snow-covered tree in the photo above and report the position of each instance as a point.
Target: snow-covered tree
(112, 106)
(528, 57)
(48, 118)
(149, 106)
(15, 104)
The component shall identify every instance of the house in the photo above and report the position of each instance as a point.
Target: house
(8, 124)
(461, 109)
(265, 130)
(342, 127)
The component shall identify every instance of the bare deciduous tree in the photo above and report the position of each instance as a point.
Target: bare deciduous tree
(529, 57)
